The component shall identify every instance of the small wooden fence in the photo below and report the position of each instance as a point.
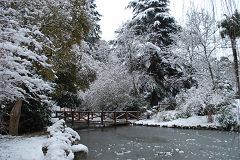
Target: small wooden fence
(105, 118)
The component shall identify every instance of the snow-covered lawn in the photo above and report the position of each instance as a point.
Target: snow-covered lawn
(21, 148)
(195, 121)
(62, 144)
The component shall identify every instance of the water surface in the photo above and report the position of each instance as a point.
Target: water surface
(154, 143)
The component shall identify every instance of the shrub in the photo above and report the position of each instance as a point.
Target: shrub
(226, 117)
(35, 116)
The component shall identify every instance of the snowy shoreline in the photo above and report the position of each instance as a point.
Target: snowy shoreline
(195, 122)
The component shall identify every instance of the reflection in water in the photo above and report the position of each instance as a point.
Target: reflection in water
(153, 143)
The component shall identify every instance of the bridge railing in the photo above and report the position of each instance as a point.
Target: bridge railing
(113, 117)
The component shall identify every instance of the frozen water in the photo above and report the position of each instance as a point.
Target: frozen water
(155, 143)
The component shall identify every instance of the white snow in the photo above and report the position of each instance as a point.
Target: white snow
(59, 145)
(193, 121)
(79, 147)
(21, 148)
(53, 120)
(181, 151)
(156, 23)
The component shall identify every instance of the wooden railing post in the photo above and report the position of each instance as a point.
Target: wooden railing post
(65, 116)
(138, 114)
(72, 118)
(126, 116)
(115, 118)
(102, 116)
(88, 119)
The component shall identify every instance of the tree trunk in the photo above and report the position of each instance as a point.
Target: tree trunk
(131, 71)
(14, 118)
(211, 73)
(235, 58)
(209, 66)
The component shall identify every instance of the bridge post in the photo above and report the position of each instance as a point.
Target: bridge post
(88, 119)
(138, 114)
(126, 116)
(102, 116)
(115, 118)
(72, 118)
(79, 116)
(65, 116)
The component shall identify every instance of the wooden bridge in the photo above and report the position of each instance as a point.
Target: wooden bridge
(105, 118)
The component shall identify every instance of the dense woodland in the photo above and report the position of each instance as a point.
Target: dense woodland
(52, 56)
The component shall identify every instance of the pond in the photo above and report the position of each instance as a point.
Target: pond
(155, 143)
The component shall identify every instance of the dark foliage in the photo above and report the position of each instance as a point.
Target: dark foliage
(35, 116)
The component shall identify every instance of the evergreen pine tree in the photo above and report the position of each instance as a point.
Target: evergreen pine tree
(94, 17)
(22, 63)
(152, 17)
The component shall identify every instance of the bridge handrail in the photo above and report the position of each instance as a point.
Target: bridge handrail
(99, 111)
(88, 116)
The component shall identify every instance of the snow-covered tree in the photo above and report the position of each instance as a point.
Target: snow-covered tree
(230, 27)
(18, 71)
(152, 18)
(110, 91)
(101, 51)
(114, 87)
(21, 64)
(225, 71)
(197, 43)
(203, 27)
(156, 73)
(66, 24)
(94, 17)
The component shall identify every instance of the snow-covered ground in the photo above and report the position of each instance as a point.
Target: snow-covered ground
(60, 145)
(169, 119)
(21, 148)
(195, 121)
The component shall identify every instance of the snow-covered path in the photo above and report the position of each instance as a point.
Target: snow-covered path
(21, 148)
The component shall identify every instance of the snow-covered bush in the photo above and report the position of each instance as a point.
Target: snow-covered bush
(165, 116)
(191, 102)
(111, 89)
(204, 98)
(62, 143)
(35, 116)
(226, 117)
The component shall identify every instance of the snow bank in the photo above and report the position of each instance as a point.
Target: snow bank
(191, 122)
(54, 120)
(79, 147)
(62, 142)
(21, 148)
